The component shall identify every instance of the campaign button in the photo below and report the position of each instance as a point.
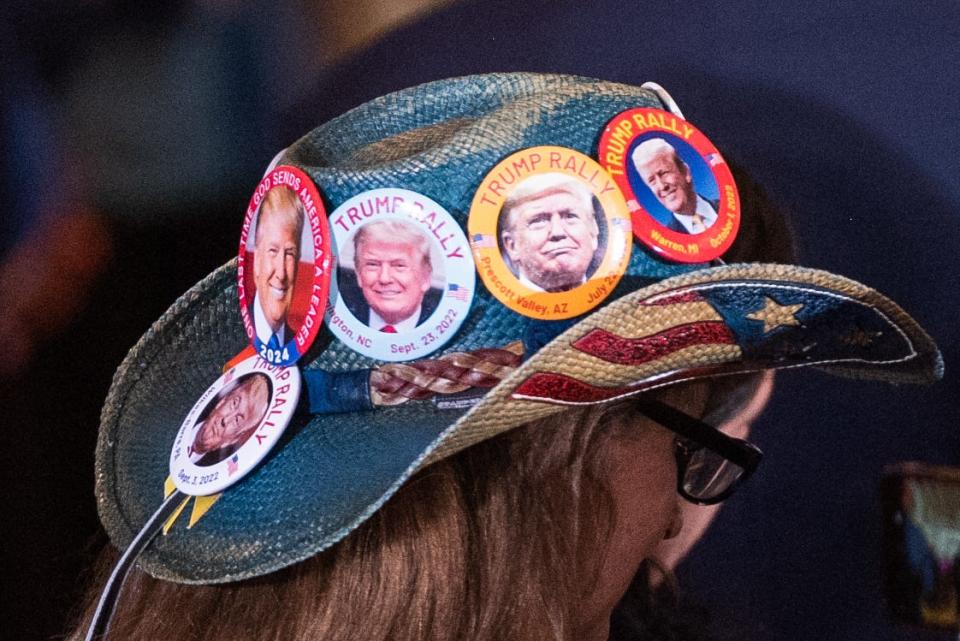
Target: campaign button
(233, 425)
(405, 277)
(284, 265)
(680, 191)
(550, 232)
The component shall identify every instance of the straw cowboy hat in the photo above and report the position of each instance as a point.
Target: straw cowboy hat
(370, 425)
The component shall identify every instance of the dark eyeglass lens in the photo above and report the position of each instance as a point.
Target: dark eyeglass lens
(709, 475)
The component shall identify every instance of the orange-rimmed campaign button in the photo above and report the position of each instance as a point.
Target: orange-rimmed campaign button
(681, 194)
(550, 232)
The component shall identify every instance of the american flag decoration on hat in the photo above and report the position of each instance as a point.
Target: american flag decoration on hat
(720, 327)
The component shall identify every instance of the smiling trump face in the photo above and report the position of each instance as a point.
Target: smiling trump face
(667, 176)
(393, 267)
(277, 254)
(549, 231)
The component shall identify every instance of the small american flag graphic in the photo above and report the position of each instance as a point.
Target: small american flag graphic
(714, 159)
(458, 292)
(232, 465)
(621, 223)
(482, 241)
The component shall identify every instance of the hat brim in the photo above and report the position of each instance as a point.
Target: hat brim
(699, 325)
(331, 472)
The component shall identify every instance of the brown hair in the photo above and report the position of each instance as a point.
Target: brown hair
(485, 545)
(479, 546)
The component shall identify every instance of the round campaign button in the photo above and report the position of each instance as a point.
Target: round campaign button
(405, 277)
(283, 271)
(550, 232)
(680, 192)
(233, 425)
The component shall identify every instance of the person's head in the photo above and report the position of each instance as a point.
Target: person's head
(276, 253)
(549, 231)
(236, 415)
(666, 174)
(392, 260)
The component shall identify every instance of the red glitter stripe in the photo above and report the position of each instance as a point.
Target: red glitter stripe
(683, 297)
(550, 386)
(636, 351)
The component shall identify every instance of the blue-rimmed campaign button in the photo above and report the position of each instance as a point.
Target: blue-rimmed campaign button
(405, 277)
(283, 270)
(233, 425)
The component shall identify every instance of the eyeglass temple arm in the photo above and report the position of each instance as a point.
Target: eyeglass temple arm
(736, 450)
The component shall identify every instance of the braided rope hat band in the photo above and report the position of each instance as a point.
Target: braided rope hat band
(663, 323)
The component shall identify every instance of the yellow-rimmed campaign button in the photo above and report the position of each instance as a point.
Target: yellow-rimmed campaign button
(550, 232)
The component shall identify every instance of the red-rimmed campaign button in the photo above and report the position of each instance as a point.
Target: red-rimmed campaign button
(283, 270)
(681, 194)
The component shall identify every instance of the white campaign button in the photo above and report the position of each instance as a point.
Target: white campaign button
(405, 276)
(233, 425)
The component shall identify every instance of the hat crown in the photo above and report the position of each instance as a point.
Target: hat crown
(440, 139)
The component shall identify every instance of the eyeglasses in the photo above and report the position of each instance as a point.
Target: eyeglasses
(710, 464)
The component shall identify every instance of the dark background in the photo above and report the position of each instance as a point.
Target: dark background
(132, 133)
